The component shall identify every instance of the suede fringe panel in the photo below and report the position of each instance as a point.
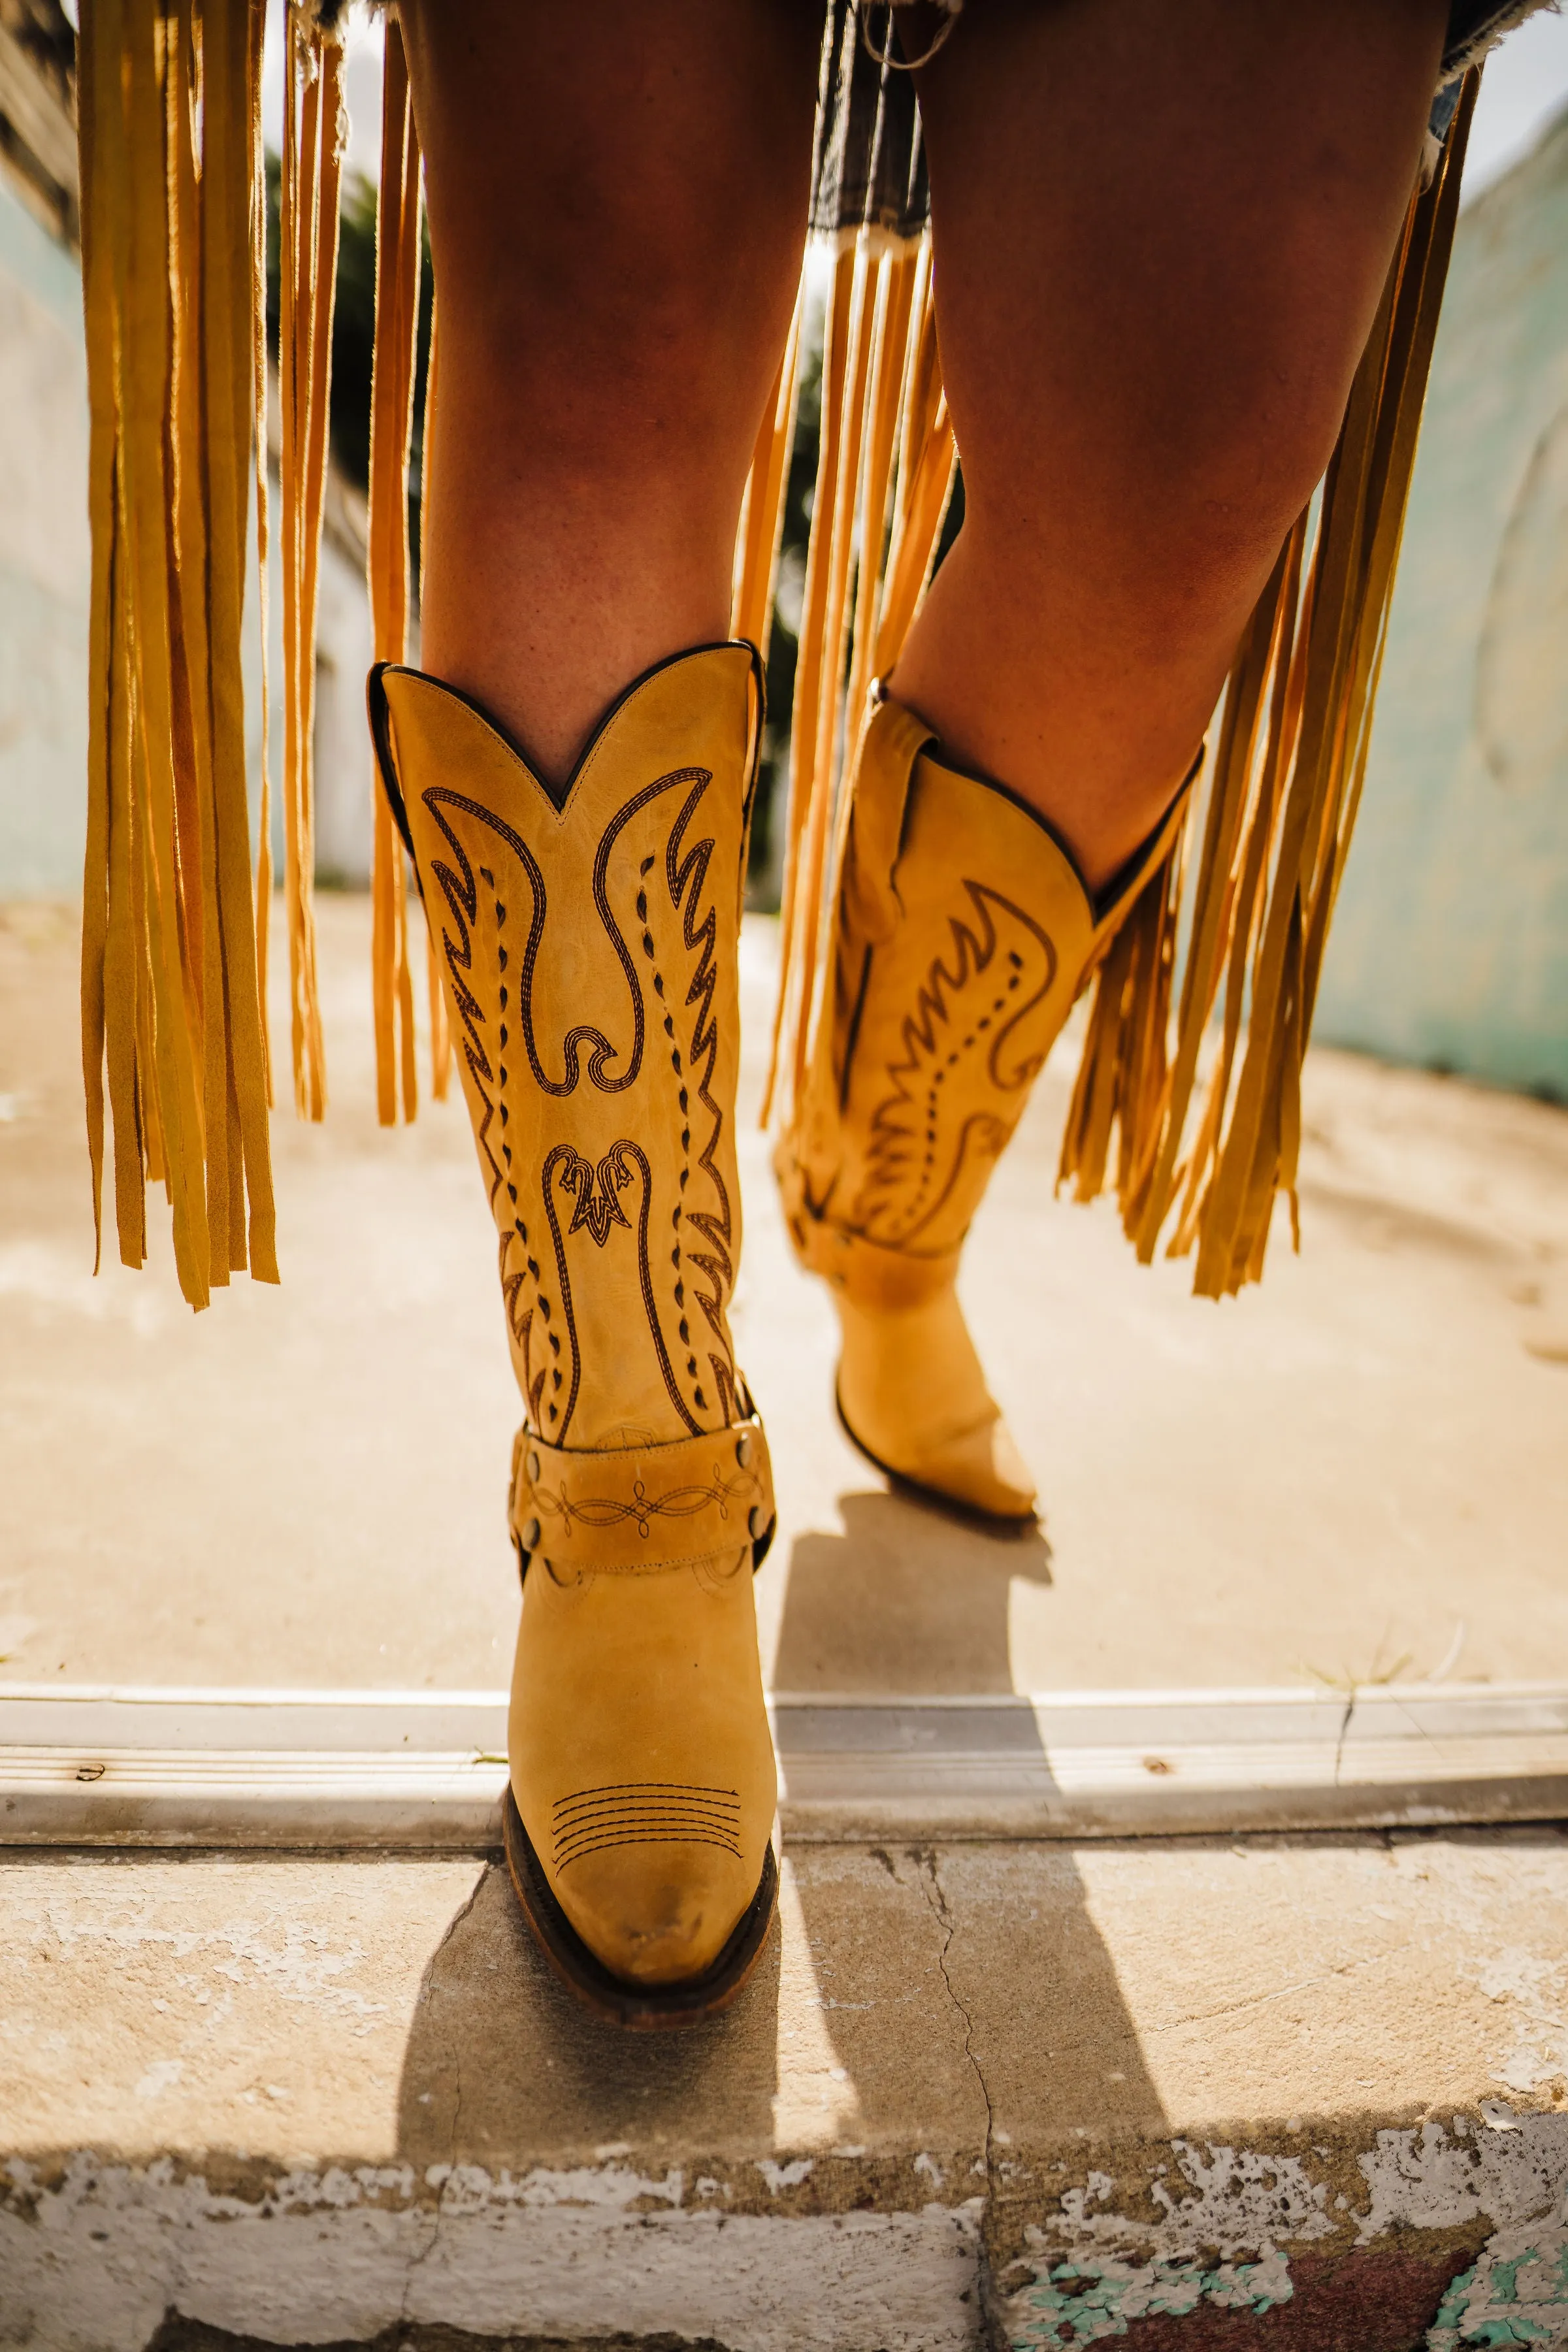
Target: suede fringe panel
(1244, 919)
(170, 109)
(390, 429)
(1216, 969)
(1284, 782)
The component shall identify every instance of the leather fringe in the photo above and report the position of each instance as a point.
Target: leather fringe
(762, 509)
(174, 949)
(1244, 917)
(314, 131)
(1284, 782)
(170, 112)
(390, 429)
(885, 469)
(174, 943)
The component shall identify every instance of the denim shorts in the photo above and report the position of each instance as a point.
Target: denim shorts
(869, 167)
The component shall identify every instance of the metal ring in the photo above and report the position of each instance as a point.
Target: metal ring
(884, 56)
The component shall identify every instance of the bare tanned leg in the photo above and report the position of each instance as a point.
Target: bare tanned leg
(1160, 234)
(617, 201)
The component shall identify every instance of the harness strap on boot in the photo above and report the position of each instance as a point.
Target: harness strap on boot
(622, 1509)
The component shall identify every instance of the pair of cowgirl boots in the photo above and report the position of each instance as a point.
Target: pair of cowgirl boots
(588, 940)
(962, 933)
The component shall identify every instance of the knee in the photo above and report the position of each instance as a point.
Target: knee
(1169, 525)
(1238, 470)
(605, 335)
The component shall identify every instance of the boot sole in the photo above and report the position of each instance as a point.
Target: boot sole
(638, 2009)
(1009, 1524)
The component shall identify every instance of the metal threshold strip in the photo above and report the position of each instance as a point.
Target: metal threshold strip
(135, 1767)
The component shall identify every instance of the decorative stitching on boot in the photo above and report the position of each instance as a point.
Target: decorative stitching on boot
(914, 1168)
(639, 1508)
(552, 1388)
(645, 1812)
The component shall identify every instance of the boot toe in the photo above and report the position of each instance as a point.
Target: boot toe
(656, 1913)
(982, 1470)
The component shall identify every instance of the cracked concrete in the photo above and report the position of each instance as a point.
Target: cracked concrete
(1177, 2085)
(455, 2151)
(929, 1862)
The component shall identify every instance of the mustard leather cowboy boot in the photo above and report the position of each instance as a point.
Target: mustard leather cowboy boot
(587, 939)
(962, 933)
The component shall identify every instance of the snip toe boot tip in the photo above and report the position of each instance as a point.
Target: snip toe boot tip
(638, 2007)
(960, 1481)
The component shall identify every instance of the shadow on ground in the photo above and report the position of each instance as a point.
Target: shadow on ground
(896, 2001)
(906, 1600)
(504, 2068)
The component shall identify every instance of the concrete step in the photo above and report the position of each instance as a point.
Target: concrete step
(1202, 2092)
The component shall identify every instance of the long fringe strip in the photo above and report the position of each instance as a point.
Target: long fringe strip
(1249, 914)
(314, 134)
(885, 467)
(175, 950)
(391, 428)
(170, 103)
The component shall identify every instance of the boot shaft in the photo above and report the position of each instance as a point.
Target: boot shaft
(588, 941)
(963, 934)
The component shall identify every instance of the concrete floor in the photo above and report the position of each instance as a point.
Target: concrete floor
(1362, 1462)
(1302, 2094)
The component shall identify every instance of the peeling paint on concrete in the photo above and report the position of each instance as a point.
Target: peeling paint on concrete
(93, 2261)
(1535, 1988)
(93, 2256)
(1516, 2294)
(306, 2180)
(1088, 2303)
(1224, 2203)
(1223, 2198)
(1229, 2221)
(1437, 2179)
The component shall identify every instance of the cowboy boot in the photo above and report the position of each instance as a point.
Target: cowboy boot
(588, 940)
(962, 933)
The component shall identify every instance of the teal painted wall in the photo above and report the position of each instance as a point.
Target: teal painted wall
(46, 573)
(45, 559)
(1450, 945)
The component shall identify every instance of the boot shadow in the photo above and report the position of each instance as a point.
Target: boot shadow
(505, 2068)
(905, 1599)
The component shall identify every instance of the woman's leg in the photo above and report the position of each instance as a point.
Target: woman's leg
(1160, 234)
(618, 200)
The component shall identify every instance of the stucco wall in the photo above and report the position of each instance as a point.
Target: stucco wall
(1450, 946)
(44, 583)
(44, 564)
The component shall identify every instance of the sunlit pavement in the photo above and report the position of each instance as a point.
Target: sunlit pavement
(1292, 2092)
